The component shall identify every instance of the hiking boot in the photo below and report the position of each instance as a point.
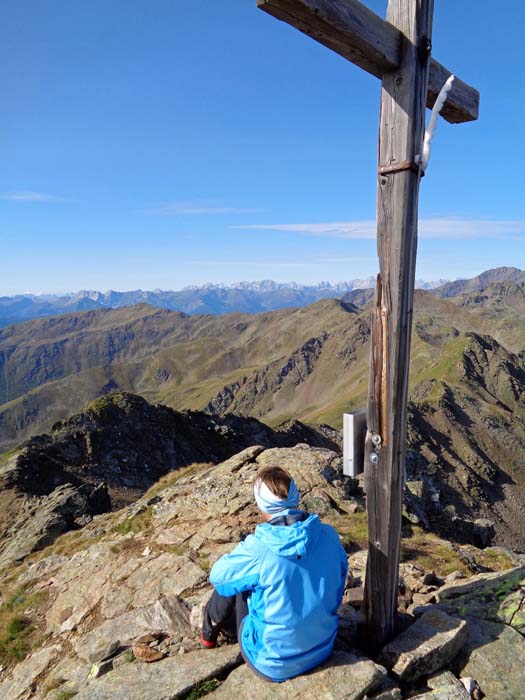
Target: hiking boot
(209, 631)
(206, 643)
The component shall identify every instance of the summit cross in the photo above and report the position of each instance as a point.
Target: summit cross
(398, 51)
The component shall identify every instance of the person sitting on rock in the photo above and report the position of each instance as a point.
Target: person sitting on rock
(279, 590)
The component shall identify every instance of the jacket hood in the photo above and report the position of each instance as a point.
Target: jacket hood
(290, 541)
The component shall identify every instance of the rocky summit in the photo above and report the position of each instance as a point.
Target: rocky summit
(109, 455)
(111, 611)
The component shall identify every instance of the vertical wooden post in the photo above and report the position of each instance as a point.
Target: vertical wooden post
(403, 99)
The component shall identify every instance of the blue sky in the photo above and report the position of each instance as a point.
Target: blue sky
(162, 143)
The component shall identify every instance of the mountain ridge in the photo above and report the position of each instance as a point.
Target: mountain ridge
(220, 298)
(249, 297)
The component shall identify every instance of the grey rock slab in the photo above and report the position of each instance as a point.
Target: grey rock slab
(389, 690)
(124, 570)
(173, 536)
(104, 651)
(343, 677)
(69, 674)
(455, 576)
(45, 567)
(240, 459)
(167, 679)
(426, 646)
(124, 629)
(170, 615)
(167, 574)
(41, 524)
(444, 686)
(445, 694)
(494, 580)
(116, 601)
(25, 674)
(78, 594)
(494, 656)
(512, 610)
(497, 596)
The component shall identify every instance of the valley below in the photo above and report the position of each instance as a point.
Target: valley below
(308, 364)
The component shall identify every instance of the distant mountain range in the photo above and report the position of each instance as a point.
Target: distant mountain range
(248, 297)
(467, 377)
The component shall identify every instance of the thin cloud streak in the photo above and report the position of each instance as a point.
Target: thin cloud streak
(198, 207)
(433, 228)
(291, 264)
(251, 263)
(30, 197)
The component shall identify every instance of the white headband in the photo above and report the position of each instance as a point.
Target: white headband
(268, 502)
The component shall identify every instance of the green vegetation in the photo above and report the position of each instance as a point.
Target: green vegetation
(65, 545)
(201, 689)
(129, 657)
(434, 554)
(124, 546)
(138, 523)
(171, 478)
(18, 635)
(17, 599)
(103, 402)
(14, 643)
(496, 560)
(178, 549)
(64, 695)
(419, 547)
(444, 368)
(204, 563)
(353, 530)
(7, 455)
(52, 684)
(55, 684)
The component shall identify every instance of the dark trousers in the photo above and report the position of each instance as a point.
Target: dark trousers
(225, 614)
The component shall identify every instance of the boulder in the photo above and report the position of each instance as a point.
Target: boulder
(512, 610)
(234, 463)
(444, 686)
(343, 677)
(164, 575)
(494, 654)
(22, 684)
(167, 679)
(425, 647)
(388, 690)
(68, 675)
(498, 596)
(81, 587)
(168, 615)
(38, 521)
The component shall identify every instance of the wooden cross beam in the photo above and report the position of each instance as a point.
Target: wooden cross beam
(397, 51)
(362, 37)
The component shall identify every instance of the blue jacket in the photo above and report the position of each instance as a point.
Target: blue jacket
(297, 574)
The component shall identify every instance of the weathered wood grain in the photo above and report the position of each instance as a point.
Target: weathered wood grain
(346, 26)
(462, 103)
(402, 124)
(362, 37)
